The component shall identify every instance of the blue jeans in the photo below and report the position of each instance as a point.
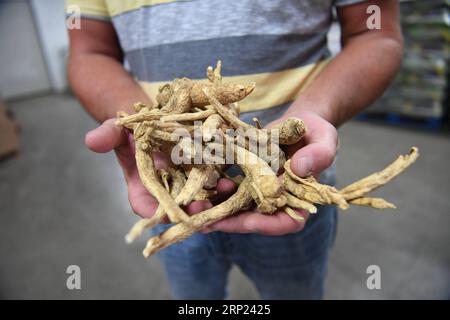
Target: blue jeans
(281, 267)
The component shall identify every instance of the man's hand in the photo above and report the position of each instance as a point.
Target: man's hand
(108, 137)
(313, 154)
(341, 90)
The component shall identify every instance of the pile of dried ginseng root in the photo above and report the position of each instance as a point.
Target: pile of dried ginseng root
(211, 109)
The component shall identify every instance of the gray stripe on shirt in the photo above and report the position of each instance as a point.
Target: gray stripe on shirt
(239, 55)
(207, 19)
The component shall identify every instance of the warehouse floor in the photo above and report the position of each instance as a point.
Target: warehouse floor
(62, 205)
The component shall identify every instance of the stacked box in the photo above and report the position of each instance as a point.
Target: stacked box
(420, 88)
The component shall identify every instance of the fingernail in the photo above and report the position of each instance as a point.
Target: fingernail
(304, 166)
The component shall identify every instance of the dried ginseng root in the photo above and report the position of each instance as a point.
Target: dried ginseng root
(187, 110)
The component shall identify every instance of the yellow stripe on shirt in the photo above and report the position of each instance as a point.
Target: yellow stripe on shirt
(272, 89)
(117, 7)
(110, 8)
(91, 8)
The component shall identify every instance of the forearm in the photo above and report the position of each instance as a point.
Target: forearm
(103, 86)
(354, 79)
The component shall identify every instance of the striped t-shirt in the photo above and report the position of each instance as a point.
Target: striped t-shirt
(274, 43)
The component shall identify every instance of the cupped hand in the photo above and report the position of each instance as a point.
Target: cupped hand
(108, 137)
(312, 155)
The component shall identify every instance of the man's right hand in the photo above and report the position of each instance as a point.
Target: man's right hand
(108, 137)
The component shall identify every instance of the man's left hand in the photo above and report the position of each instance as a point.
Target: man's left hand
(312, 155)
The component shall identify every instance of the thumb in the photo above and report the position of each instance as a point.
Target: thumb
(318, 153)
(106, 137)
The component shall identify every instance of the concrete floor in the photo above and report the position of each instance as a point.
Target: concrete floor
(61, 205)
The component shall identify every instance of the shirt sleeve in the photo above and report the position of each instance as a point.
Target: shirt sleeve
(90, 9)
(342, 3)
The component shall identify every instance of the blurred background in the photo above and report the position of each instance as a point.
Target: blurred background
(62, 205)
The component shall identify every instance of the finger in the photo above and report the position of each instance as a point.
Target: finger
(161, 160)
(141, 201)
(224, 189)
(319, 152)
(106, 137)
(198, 206)
(126, 155)
(225, 186)
(233, 224)
(254, 222)
(276, 224)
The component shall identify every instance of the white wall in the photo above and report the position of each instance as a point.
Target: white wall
(22, 66)
(334, 39)
(50, 24)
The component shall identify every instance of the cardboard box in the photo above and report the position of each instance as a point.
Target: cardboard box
(9, 141)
